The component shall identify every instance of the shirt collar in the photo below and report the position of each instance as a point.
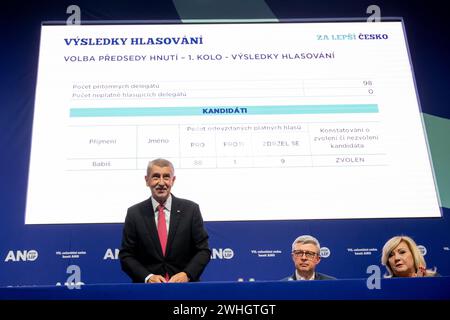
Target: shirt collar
(299, 277)
(167, 204)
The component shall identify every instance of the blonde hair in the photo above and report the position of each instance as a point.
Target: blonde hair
(419, 261)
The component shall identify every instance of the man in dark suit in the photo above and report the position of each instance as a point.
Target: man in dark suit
(164, 239)
(306, 256)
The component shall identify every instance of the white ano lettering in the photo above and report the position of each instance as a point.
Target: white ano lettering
(111, 255)
(21, 255)
(220, 253)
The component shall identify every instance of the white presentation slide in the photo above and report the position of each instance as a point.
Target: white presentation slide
(262, 121)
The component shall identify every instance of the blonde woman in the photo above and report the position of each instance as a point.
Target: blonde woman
(402, 258)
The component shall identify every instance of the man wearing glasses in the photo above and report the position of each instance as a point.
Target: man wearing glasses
(306, 256)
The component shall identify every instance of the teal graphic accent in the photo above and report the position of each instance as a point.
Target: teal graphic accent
(223, 110)
(438, 131)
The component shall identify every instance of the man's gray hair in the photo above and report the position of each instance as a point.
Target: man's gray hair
(160, 163)
(306, 239)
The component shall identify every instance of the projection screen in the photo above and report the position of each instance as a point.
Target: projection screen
(262, 121)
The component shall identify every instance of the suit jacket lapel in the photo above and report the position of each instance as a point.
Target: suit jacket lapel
(149, 220)
(175, 215)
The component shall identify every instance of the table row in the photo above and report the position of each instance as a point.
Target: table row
(231, 162)
(242, 140)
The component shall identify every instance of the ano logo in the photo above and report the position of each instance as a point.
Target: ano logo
(21, 255)
(220, 253)
(111, 254)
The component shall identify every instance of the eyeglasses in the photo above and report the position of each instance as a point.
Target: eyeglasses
(308, 254)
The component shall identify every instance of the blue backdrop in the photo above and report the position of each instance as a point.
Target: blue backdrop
(41, 254)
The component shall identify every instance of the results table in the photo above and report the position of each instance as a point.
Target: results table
(227, 145)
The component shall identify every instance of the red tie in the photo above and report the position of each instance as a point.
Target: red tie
(162, 232)
(162, 229)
